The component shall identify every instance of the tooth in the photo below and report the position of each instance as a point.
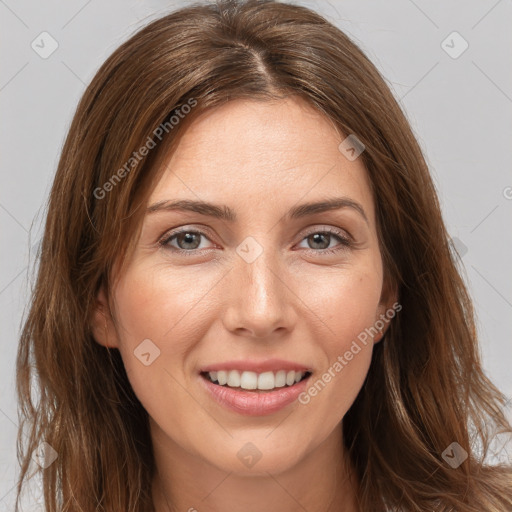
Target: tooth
(266, 380)
(249, 380)
(234, 379)
(252, 380)
(280, 379)
(290, 378)
(222, 377)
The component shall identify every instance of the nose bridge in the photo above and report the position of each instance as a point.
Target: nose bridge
(260, 300)
(259, 270)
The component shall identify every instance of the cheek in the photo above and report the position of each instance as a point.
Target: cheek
(153, 303)
(331, 392)
(173, 310)
(347, 307)
(155, 323)
(346, 302)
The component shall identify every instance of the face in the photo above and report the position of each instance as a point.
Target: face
(269, 289)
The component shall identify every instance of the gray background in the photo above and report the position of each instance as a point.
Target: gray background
(460, 110)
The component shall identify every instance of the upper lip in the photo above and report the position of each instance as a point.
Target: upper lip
(252, 365)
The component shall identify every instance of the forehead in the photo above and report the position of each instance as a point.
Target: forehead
(248, 152)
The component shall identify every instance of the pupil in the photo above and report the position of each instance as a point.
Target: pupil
(316, 239)
(188, 239)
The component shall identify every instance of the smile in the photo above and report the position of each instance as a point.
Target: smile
(254, 394)
(247, 380)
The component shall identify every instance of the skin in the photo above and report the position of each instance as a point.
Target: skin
(293, 302)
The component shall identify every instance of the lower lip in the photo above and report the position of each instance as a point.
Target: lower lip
(253, 403)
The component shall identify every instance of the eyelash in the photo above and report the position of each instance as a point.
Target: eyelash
(345, 242)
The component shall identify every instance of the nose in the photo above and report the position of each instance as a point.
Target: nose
(261, 301)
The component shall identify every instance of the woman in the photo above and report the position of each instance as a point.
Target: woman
(252, 369)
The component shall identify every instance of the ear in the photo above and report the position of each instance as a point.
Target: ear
(387, 309)
(102, 325)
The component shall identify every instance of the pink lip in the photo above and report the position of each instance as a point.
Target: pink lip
(267, 365)
(254, 403)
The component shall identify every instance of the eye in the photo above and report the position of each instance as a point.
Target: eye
(320, 241)
(187, 240)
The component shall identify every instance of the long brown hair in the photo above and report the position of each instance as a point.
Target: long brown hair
(426, 388)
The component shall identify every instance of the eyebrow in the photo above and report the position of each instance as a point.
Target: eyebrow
(224, 212)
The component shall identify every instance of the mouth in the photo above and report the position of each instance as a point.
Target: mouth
(264, 382)
(254, 394)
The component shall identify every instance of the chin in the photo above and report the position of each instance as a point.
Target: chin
(257, 457)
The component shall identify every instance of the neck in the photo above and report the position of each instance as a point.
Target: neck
(320, 482)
